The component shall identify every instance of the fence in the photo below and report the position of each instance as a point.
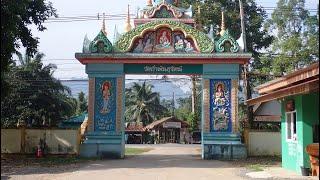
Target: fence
(59, 141)
(263, 143)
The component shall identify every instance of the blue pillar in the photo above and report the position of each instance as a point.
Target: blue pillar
(220, 137)
(105, 134)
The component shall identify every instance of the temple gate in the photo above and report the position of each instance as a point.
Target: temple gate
(164, 41)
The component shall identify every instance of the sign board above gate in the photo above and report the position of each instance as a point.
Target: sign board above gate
(163, 69)
(172, 125)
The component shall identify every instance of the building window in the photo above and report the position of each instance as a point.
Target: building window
(291, 123)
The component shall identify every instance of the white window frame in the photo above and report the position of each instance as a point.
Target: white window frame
(293, 135)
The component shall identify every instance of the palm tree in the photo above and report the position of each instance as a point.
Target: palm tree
(142, 105)
(38, 98)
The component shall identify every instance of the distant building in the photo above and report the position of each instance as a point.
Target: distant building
(169, 130)
(134, 133)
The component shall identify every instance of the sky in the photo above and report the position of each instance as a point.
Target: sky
(62, 40)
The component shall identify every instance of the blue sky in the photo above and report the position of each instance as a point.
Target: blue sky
(62, 39)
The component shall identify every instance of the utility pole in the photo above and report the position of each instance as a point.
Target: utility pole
(173, 104)
(194, 91)
(243, 29)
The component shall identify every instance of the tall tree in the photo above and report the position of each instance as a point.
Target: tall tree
(37, 98)
(16, 18)
(82, 103)
(208, 12)
(142, 104)
(296, 43)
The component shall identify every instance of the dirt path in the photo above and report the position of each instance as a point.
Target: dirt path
(164, 162)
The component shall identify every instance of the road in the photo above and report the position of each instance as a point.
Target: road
(163, 162)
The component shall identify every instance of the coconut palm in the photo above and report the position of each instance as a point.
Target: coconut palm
(37, 98)
(142, 104)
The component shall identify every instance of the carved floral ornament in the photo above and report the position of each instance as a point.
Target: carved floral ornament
(201, 41)
(221, 46)
(100, 44)
(198, 41)
(151, 12)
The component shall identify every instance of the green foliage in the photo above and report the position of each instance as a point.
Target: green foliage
(168, 104)
(37, 99)
(82, 103)
(184, 113)
(16, 18)
(142, 104)
(296, 36)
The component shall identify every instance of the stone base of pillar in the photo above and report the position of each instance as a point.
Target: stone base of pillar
(103, 146)
(223, 147)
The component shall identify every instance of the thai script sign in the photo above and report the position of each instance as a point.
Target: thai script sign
(163, 69)
(172, 125)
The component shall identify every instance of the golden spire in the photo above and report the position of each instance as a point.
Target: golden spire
(223, 27)
(149, 3)
(128, 25)
(103, 29)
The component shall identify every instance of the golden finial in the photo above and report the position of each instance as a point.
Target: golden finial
(103, 29)
(149, 3)
(128, 25)
(223, 28)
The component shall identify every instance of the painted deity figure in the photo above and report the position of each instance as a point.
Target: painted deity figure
(219, 96)
(179, 45)
(189, 47)
(100, 47)
(139, 47)
(106, 93)
(221, 114)
(148, 47)
(164, 42)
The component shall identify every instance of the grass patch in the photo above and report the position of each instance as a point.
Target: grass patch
(255, 167)
(136, 151)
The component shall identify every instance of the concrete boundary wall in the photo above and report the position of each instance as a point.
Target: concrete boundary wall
(59, 141)
(11, 140)
(264, 143)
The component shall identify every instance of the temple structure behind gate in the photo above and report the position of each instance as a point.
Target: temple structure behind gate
(164, 40)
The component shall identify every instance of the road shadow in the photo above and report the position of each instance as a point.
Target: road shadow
(142, 161)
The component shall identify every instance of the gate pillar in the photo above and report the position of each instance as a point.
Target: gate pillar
(105, 133)
(220, 134)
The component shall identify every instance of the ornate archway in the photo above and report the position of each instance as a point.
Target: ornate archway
(164, 41)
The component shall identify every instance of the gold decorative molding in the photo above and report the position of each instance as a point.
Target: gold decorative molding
(206, 105)
(119, 104)
(234, 105)
(91, 104)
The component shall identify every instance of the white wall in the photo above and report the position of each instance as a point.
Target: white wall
(264, 143)
(59, 141)
(10, 141)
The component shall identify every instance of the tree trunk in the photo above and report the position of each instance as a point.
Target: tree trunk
(248, 95)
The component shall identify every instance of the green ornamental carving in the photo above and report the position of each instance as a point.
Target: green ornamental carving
(100, 44)
(226, 37)
(177, 12)
(163, 13)
(203, 42)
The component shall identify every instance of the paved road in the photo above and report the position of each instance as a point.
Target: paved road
(164, 162)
